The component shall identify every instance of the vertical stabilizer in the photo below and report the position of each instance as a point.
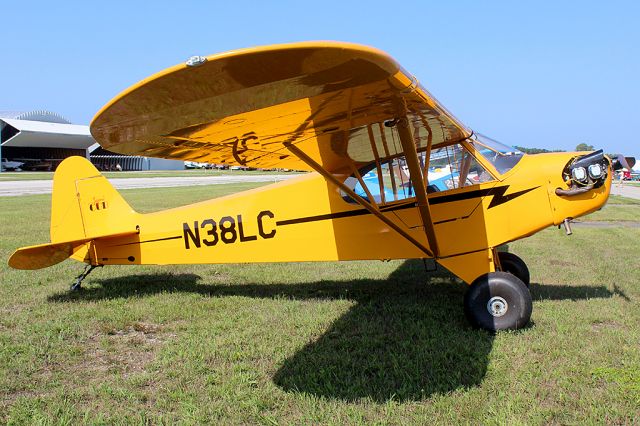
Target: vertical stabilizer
(85, 205)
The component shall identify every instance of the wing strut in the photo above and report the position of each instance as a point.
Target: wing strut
(376, 156)
(413, 162)
(427, 154)
(318, 168)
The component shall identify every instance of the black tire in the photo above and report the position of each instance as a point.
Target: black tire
(514, 265)
(505, 294)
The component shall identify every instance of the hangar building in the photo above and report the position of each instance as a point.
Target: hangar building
(42, 139)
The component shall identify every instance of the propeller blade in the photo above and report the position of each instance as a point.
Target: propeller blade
(622, 162)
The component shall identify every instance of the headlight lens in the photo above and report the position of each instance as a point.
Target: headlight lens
(579, 174)
(595, 171)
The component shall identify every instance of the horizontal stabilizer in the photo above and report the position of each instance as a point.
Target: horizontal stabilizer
(43, 255)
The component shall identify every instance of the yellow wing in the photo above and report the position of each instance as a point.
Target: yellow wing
(334, 101)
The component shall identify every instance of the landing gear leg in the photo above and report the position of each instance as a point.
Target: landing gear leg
(511, 263)
(77, 284)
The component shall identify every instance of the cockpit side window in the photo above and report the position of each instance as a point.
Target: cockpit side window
(453, 167)
(386, 184)
(450, 167)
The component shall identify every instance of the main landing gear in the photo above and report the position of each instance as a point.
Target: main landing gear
(500, 300)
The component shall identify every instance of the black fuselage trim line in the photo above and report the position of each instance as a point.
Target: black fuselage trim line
(497, 192)
(149, 241)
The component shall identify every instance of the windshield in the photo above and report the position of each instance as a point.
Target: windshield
(503, 157)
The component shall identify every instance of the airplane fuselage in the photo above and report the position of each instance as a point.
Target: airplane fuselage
(308, 219)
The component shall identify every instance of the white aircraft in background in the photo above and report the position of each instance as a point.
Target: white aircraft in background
(11, 165)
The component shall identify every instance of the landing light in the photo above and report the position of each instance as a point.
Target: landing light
(579, 174)
(595, 171)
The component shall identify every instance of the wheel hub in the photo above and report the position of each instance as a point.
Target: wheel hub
(497, 306)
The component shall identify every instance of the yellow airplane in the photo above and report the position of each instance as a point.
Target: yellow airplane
(395, 175)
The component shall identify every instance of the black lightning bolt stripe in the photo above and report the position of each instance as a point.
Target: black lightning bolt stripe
(497, 192)
(500, 198)
(327, 216)
(349, 213)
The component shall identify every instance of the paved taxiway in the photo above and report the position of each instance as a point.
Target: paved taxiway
(29, 187)
(626, 190)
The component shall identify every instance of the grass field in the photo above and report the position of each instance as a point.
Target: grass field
(353, 342)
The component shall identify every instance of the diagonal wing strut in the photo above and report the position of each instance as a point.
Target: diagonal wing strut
(415, 172)
(373, 210)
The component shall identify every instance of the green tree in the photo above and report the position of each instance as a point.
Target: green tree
(531, 150)
(535, 150)
(584, 147)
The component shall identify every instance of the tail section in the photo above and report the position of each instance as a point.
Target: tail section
(84, 207)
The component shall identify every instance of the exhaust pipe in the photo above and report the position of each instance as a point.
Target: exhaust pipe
(574, 190)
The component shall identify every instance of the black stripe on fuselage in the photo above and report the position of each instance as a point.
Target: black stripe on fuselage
(148, 241)
(349, 213)
(497, 192)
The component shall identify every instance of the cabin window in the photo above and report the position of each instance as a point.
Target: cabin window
(388, 183)
(453, 167)
(450, 167)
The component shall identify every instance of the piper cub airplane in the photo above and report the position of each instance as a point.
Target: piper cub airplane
(396, 176)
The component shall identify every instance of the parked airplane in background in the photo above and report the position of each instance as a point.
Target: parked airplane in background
(396, 175)
(10, 165)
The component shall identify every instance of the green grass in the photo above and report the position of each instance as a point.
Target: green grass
(13, 176)
(617, 209)
(351, 342)
(619, 200)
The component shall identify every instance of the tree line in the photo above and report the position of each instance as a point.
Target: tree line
(580, 147)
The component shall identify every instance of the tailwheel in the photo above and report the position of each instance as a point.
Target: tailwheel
(513, 264)
(498, 301)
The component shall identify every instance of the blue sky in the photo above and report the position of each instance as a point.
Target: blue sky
(547, 74)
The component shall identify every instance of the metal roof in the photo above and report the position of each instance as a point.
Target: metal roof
(35, 115)
(45, 134)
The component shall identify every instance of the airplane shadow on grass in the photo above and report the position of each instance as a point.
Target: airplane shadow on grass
(405, 339)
